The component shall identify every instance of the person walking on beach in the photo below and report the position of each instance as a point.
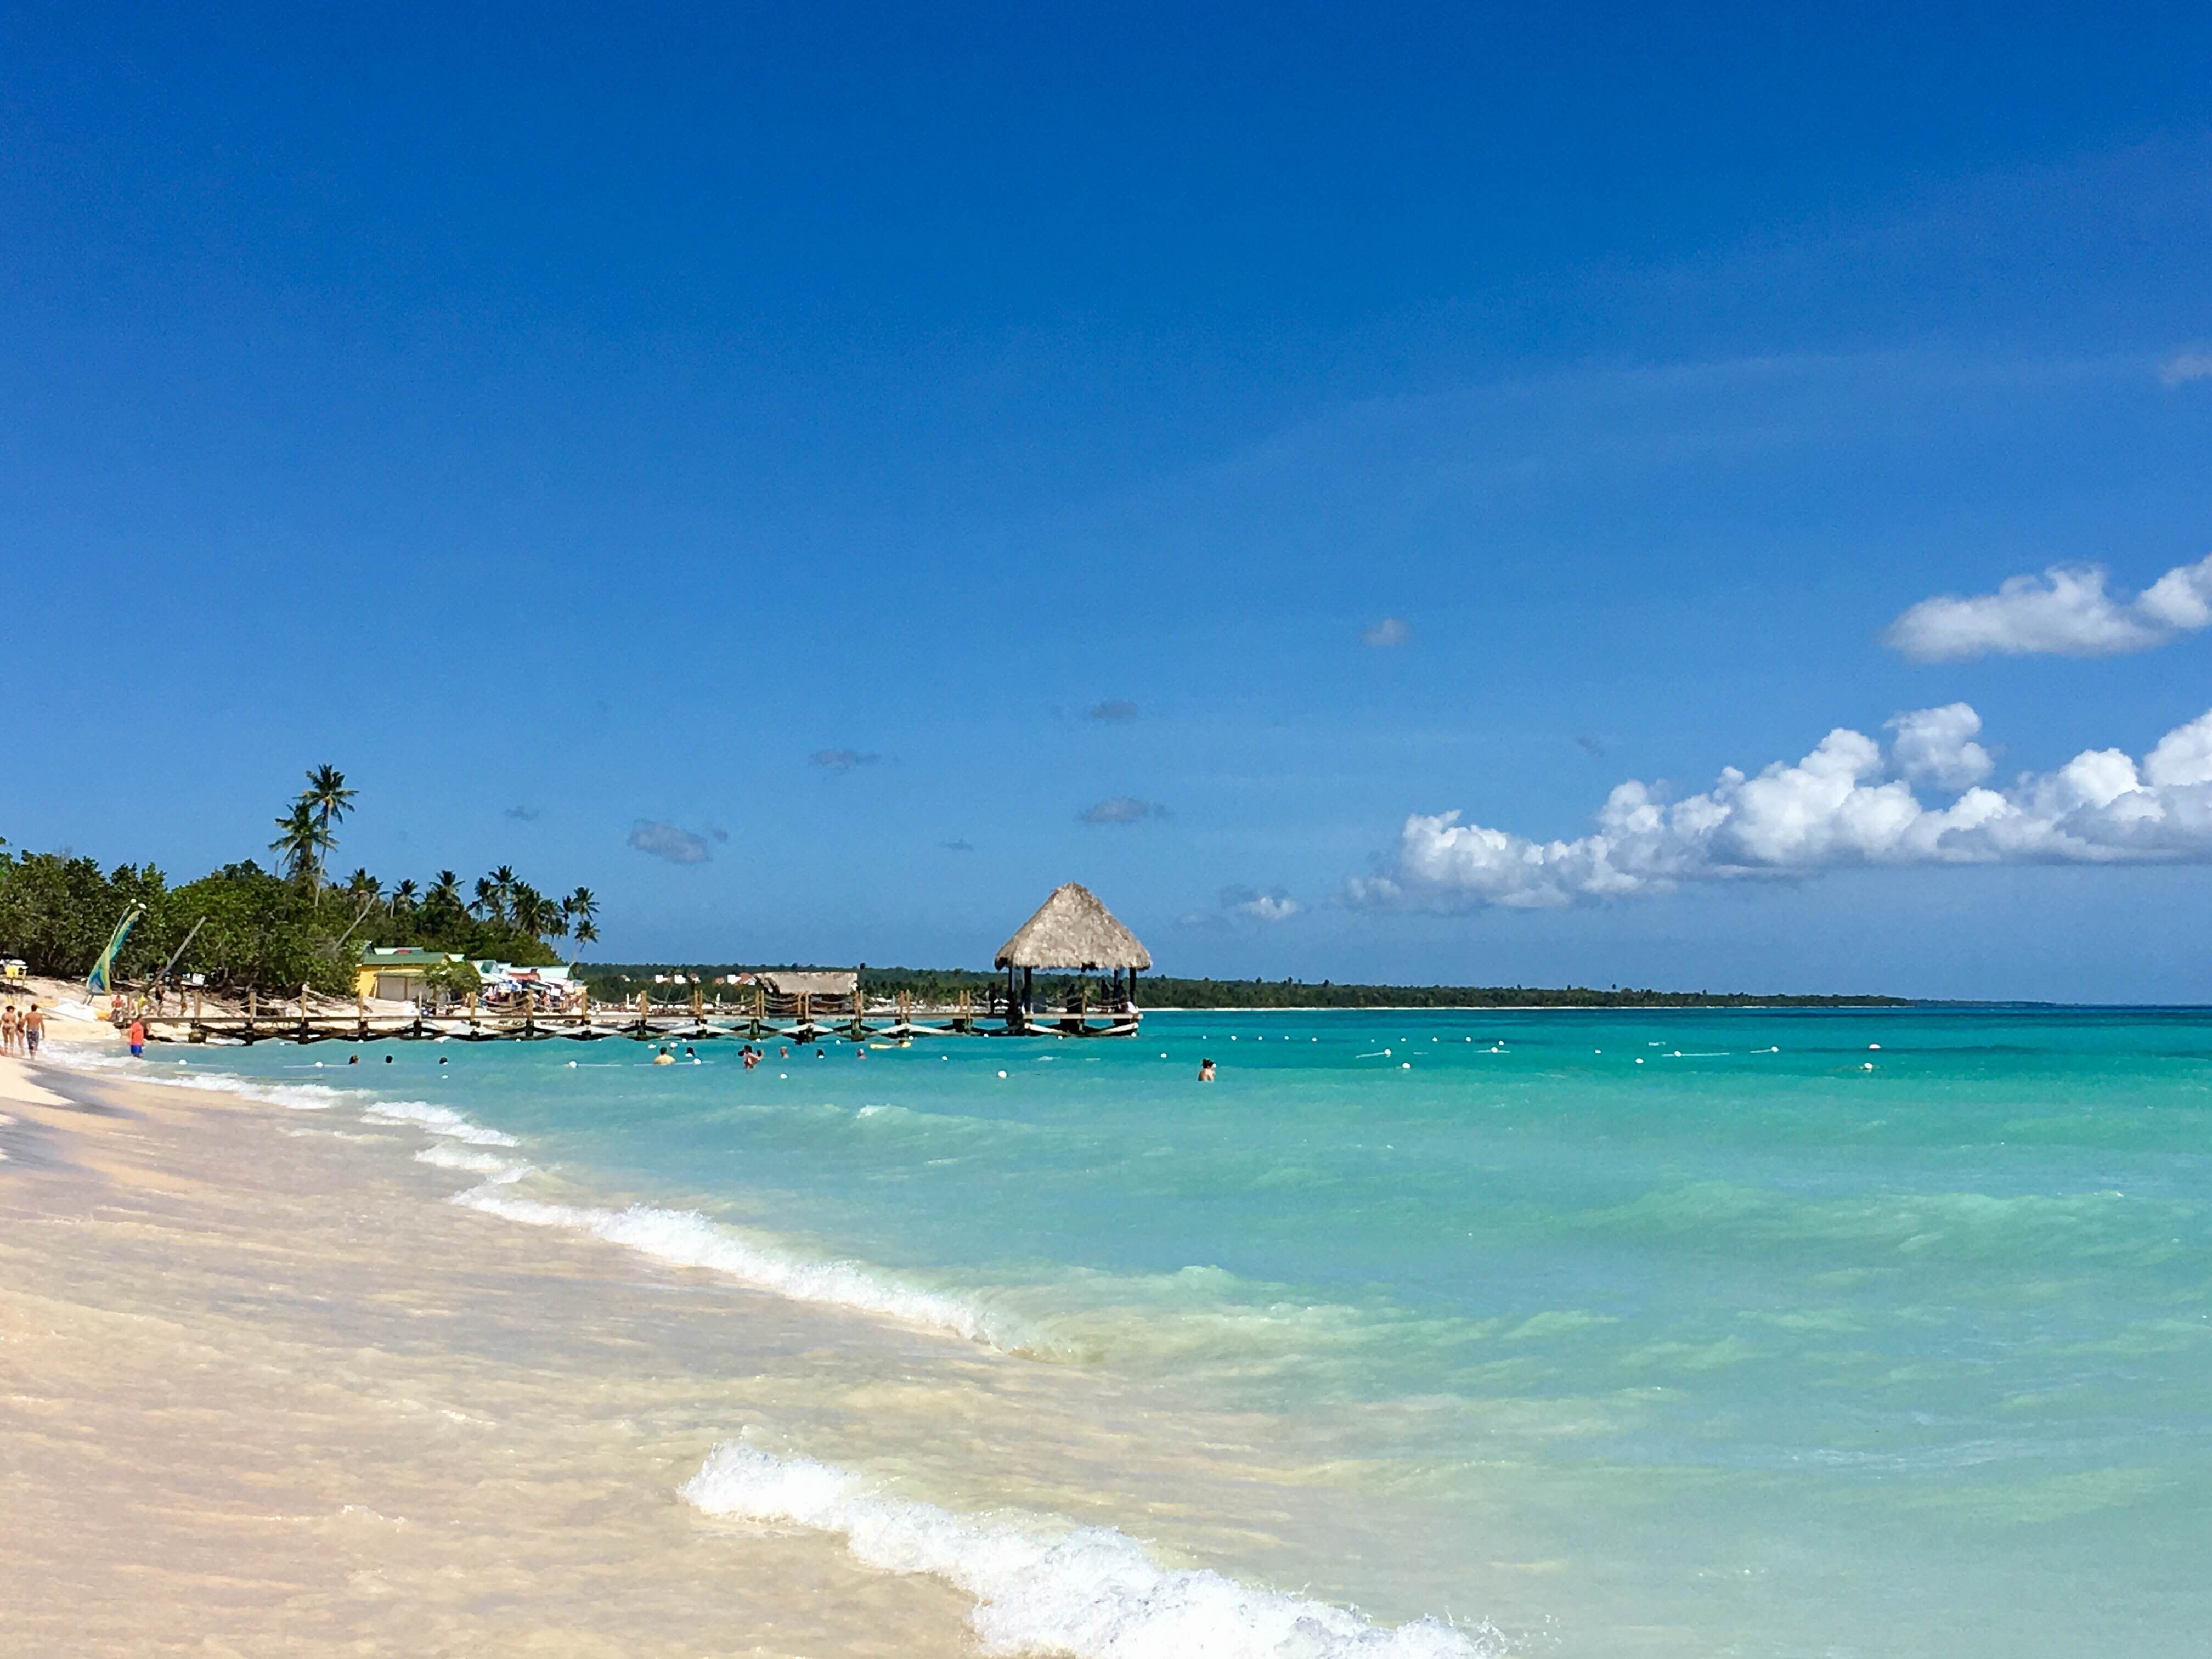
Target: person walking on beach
(10, 1026)
(35, 1031)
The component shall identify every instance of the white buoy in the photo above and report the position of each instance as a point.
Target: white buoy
(1002, 1074)
(572, 1065)
(1866, 1066)
(1405, 1065)
(1639, 1059)
(1876, 1046)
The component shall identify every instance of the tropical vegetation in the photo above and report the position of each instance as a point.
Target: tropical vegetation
(243, 927)
(621, 980)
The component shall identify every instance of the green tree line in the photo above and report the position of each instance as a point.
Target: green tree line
(274, 930)
(938, 985)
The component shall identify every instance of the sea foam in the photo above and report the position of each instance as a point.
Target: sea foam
(688, 1237)
(501, 1170)
(437, 1119)
(1089, 1591)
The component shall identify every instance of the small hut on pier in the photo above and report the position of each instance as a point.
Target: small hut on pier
(806, 992)
(1071, 932)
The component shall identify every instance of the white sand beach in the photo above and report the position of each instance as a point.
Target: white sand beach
(263, 1393)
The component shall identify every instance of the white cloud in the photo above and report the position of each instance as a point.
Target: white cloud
(2182, 367)
(1391, 630)
(1935, 745)
(1245, 904)
(1255, 906)
(1846, 803)
(666, 841)
(2066, 612)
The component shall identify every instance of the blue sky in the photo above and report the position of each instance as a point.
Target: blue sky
(822, 479)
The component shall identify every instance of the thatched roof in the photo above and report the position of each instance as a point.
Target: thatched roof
(829, 982)
(1073, 929)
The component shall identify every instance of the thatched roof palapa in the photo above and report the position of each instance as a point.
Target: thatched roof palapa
(1072, 930)
(833, 982)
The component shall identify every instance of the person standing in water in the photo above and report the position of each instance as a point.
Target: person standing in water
(1206, 1071)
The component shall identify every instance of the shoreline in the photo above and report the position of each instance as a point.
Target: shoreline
(337, 1408)
(273, 1399)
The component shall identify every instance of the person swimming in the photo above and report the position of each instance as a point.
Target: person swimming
(664, 1058)
(1206, 1071)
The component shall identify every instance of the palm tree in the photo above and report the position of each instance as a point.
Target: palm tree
(302, 839)
(328, 794)
(445, 893)
(404, 899)
(505, 881)
(531, 911)
(490, 901)
(361, 885)
(581, 910)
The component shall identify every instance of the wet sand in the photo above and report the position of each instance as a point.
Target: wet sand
(262, 1392)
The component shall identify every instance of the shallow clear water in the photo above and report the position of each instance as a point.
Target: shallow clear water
(1674, 1333)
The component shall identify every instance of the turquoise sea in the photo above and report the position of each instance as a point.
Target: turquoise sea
(1676, 1333)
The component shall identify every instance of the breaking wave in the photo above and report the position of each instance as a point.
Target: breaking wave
(1090, 1591)
(689, 1239)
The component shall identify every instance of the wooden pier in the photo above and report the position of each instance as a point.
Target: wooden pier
(769, 1020)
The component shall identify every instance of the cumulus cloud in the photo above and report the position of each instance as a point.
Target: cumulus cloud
(2182, 367)
(666, 841)
(1120, 808)
(841, 760)
(1245, 904)
(1936, 745)
(2066, 612)
(1391, 630)
(1848, 803)
(1113, 708)
(1252, 905)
